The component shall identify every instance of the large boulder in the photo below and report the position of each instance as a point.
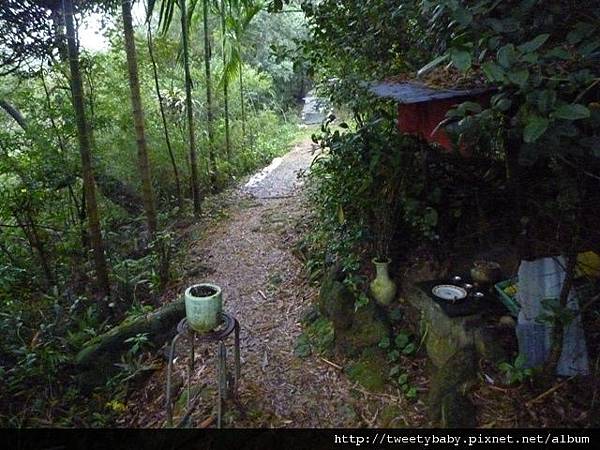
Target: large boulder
(336, 302)
(354, 330)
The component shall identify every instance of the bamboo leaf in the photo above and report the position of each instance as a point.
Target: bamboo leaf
(431, 65)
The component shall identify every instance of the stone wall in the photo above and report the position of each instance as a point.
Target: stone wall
(454, 346)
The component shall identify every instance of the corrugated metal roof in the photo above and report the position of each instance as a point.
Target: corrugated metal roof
(412, 92)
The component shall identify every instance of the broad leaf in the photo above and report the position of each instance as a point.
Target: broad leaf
(534, 44)
(394, 371)
(503, 104)
(530, 58)
(496, 25)
(546, 100)
(409, 349)
(559, 53)
(519, 77)
(573, 111)
(384, 343)
(461, 59)
(535, 128)
(588, 48)
(507, 55)
(493, 71)
(463, 16)
(340, 215)
(401, 340)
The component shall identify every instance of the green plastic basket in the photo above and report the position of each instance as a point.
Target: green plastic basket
(511, 303)
(583, 290)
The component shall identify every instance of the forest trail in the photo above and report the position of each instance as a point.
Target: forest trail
(250, 255)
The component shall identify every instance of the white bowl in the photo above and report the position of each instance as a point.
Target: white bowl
(449, 292)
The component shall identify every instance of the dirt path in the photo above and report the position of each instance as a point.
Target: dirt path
(249, 254)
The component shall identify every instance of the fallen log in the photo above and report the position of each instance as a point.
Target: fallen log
(98, 356)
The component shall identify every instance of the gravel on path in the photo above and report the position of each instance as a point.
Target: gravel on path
(250, 255)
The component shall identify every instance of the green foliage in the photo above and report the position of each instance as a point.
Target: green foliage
(135, 361)
(356, 41)
(369, 370)
(138, 342)
(516, 372)
(554, 314)
(40, 337)
(542, 59)
(366, 187)
(302, 347)
(318, 337)
(48, 306)
(402, 345)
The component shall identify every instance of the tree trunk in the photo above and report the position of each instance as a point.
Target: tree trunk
(58, 22)
(164, 118)
(114, 190)
(209, 104)
(225, 82)
(138, 118)
(190, 111)
(242, 103)
(558, 331)
(85, 152)
(29, 229)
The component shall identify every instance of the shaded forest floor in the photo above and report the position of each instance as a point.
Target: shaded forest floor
(249, 252)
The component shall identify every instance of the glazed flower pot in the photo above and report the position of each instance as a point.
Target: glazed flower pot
(382, 288)
(203, 306)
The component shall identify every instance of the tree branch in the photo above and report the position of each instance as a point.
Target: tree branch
(14, 113)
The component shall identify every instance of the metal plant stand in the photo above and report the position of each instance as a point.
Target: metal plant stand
(225, 384)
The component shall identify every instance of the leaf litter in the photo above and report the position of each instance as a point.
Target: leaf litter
(249, 253)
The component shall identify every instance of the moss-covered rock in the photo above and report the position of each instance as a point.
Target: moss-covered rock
(369, 326)
(318, 337)
(448, 403)
(354, 330)
(321, 334)
(369, 370)
(336, 302)
(310, 315)
(302, 348)
(459, 373)
(440, 348)
(489, 347)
